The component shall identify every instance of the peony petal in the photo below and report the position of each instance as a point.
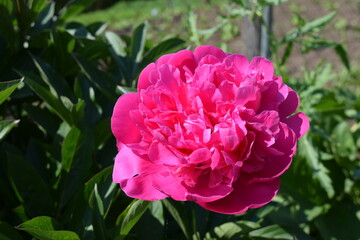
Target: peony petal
(135, 175)
(262, 65)
(182, 60)
(122, 126)
(170, 186)
(289, 105)
(203, 51)
(144, 78)
(244, 196)
(202, 192)
(299, 123)
(159, 154)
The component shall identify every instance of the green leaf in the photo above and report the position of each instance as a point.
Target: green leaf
(163, 48)
(45, 228)
(116, 44)
(318, 23)
(56, 84)
(287, 53)
(157, 210)
(45, 19)
(138, 42)
(8, 232)
(97, 178)
(270, 232)
(341, 52)
(309, 27)
(6, 88)
(344, 145)
(98, 214)
(180, 214)
(320, 172)
(54, 103)
(132, 214)
(73, 8)
(340, 222)
(232, 230)
(102, 132)
(70, 147)
(98, 78)
(6, 126)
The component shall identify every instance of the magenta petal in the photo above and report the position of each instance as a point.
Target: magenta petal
(289, 105)
(170, 186)
(203, 51)
(264, 66)
(244, 196)
(122, 126)
(135, 176)
(144, 78)
(299, 123)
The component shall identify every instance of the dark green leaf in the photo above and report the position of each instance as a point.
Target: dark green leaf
(73, 8)
(180, 214)
(45, 228)
(233, 230)
(320, 172)
(30, 188)
(341, 52)
(157, 210)
(287, 53)
(271, 232)
(138, 42)
(6, 88)
(163, 48)
(8, 232)
(54, 103)
(132, 214)
(98, 78)
(45, 19)
(6, 126)
(98, 214)
(70, 147)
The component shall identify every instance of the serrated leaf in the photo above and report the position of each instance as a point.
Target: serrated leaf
(6, 88)
(44, 228)
(271, 232)
(6, 126)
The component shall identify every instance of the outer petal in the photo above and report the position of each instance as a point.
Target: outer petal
(244, 196)
(290, 104)
(203, 51)
(135, 175)
(144, 78)
(122, 126)
(263, 66)
(299, 123)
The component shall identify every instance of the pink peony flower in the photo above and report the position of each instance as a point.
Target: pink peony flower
(209, 127)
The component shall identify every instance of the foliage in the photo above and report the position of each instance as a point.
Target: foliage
(57, 150)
